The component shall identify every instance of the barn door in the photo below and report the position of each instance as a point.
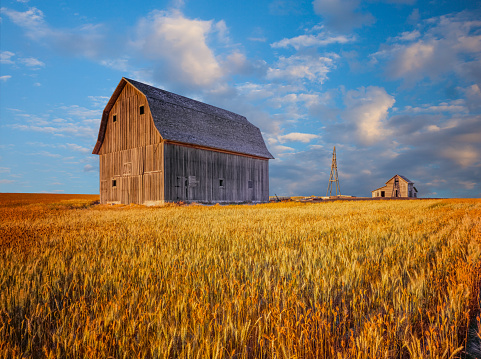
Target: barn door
(182, 187)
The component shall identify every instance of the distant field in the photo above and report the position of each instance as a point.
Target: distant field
(360, 279)
(14, 199)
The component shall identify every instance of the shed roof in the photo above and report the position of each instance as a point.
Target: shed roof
(181, 119)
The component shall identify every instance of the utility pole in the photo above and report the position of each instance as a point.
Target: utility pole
(334, 177)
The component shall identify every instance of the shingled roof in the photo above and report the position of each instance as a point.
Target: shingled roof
(181, 119)
(404, 178)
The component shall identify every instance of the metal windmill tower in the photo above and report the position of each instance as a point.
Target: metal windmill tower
(334, 177)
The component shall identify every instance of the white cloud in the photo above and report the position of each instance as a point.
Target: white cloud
(81, 112)
(297, 137)
(278, 149)
(408, 36)
(297, 67)
(75, 147)
(77, 122)
(5, 78)
(321, 39)
(121, 64)
(473, 97)
(366, 110)
(32, 19)
(87, 40)
(46, 154)
(181, 43)
(445, 44)
(31, 62)
(463, 155)
(89, 168)
(468, 184)
(6, 57)
(456, 106)
(99, 101)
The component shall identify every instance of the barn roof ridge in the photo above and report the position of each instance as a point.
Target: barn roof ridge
(183, 101)
(208, 126)
(184, 120)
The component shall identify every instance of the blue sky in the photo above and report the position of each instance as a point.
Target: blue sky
(395, 85)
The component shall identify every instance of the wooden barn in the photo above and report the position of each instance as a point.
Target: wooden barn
(397, 186)
(156, 147)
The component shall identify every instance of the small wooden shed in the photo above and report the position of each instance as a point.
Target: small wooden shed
(397, 186)
(156, 146)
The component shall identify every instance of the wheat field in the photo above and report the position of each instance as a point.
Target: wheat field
(370, 279)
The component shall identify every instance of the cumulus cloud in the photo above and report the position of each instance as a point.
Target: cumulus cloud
(441, 45)
(473, 97)
(297, 137)
(367, 110)
(302, 67)
(181, 43)
(463, 155)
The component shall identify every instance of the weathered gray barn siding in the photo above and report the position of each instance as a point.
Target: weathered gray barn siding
(193, 174)
(143, 126)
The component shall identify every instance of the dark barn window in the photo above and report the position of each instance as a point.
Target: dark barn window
(114, 183)
(251, 184)
(221, 183)
(114, 118)
(141, 109)
(382, 194)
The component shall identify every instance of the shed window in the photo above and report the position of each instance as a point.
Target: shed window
(114, 118)
(141, 110)
(114, 183)
(251, 184)
(221, 182)
(383, 193)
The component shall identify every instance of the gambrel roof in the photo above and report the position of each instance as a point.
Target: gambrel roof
(181, 119)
